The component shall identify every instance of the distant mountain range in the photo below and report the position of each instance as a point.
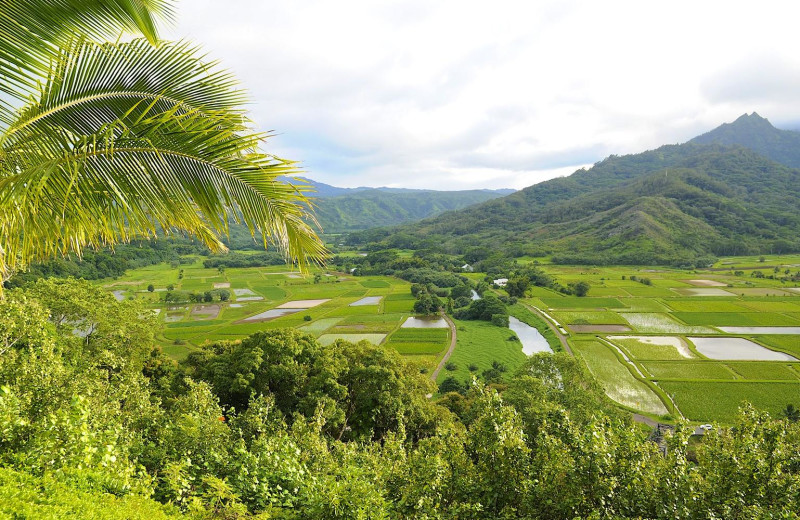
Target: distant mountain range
(733, 190)
(341, 210)
(323, 191)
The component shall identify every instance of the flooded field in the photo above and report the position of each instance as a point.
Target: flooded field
(270, 315)
(706, 283)
(302, 304)
(703, 292)
(737, 349)
(206, 311)
(761, 330)
(649, 345)
(367, 300)
(600, 328)
(424, 323)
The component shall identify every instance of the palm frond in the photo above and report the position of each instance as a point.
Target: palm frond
(33, 31)
(96, 85)
(126, 139)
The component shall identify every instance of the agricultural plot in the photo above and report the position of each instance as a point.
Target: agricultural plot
(589, 317)
(571, 302)
(270, 297)
(479, 345)
(327, 339)
(660, 370)
(746, 318)
(790, 344)
(728, 348)
(736, 319)
(718, 401)
(618, 382)
(420, 341)
(661, 323)
(654, 347)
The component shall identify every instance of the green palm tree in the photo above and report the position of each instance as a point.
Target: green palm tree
(102, 143)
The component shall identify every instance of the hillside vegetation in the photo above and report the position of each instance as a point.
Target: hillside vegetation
(678, 205)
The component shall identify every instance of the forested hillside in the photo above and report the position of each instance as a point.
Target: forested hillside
(678, 204)
(757, 133)
(378, 207)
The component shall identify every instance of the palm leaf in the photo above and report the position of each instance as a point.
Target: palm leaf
(126, 139)
(33, 31)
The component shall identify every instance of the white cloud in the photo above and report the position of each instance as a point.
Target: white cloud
(467, 94)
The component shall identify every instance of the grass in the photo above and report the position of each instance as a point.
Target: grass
(618, 382)
(715, 401)
(481, 343)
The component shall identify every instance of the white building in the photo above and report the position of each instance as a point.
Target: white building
(500, 282)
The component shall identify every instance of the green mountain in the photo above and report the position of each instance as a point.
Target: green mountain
(678, 204)
(378, 207)
(757, 133)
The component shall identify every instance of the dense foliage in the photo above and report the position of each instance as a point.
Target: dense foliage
(97, 423)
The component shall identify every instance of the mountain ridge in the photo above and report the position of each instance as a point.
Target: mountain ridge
(677, 204)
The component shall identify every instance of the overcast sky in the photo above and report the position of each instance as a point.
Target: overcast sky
(478, 94)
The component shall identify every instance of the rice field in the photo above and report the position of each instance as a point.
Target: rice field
(649, 322)
(745, 317)
(335, 307)
(618, 382)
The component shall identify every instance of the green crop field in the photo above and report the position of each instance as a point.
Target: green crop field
(687, 370)
(570, 302)
(731, 319)
(480, 343)
(589, 317)
(715, 401)
(789, 343)
(618, 382)
(653, 347)
(671, 304)
(412, 335)
(766, 371)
